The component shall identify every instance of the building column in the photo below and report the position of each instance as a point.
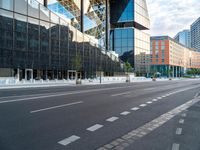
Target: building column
(107, 24)
(18, 74)
(173, 71)
(25, 74)
(176, 71)
(45, 3)
(82, 16)
(31, 74)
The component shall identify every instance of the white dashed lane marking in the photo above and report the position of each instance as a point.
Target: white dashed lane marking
(112, 119)
(69, 140)
(159, 97)
(151, 126)
(135, 108)
(175, 146)
(125, 113)
(95, 127)
(181, 121)
(149, 102)
(178, 131)
(143, 105)
(154, 100)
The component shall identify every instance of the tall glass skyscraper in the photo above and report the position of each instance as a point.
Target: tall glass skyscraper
(184, 37)
(195, 34)
(128, 20)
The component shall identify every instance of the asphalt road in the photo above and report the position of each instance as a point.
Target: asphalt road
(96, 116)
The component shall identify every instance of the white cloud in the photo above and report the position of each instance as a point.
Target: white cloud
(171, 16)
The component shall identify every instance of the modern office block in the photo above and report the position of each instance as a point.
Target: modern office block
(195, 34)
(169, 58)
(184, 37)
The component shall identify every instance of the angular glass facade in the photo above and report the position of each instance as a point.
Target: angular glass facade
(127, 22)
(122, 43)
(93, 13)
(34, 39)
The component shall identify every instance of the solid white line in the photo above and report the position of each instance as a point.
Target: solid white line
(143, 105)
(69, 140)
(125, 113)
(178, 131)
(119, 94)
(95, 127)
(62, 94)
(149, 89)
(54, 107)
(175, 146)
(149, 102)
(74, 92)
(135, 108)
(181, 121)
(112, 119)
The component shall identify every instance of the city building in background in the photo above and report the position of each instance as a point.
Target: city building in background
(184, 37)
(39, 43)
(128, 21)
(195, 34)
(169, 58)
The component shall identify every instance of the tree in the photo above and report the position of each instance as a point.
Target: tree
(77, 64)
(128, 67)
(193, 71)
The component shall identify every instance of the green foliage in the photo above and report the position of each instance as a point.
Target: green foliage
(128, 67)
(193, 71)
(77, 62)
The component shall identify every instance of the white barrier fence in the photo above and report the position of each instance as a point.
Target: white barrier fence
(14, 81)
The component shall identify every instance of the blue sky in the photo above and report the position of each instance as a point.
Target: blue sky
(171, 16)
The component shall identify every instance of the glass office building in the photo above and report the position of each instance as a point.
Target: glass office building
(184, 37)
(36, 42)
(128, 21)
(195, 34)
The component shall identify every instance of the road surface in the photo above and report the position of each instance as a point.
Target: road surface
(132, 116)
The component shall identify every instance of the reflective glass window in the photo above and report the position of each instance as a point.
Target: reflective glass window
(118, 33)
(6, 4)
(21, 6)
(130, 42)
(33, 34)
(6, 30)
(6, 20)
(20, 32)
(124, 42)
(33, 8)
(44, 13)
(124, 33)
